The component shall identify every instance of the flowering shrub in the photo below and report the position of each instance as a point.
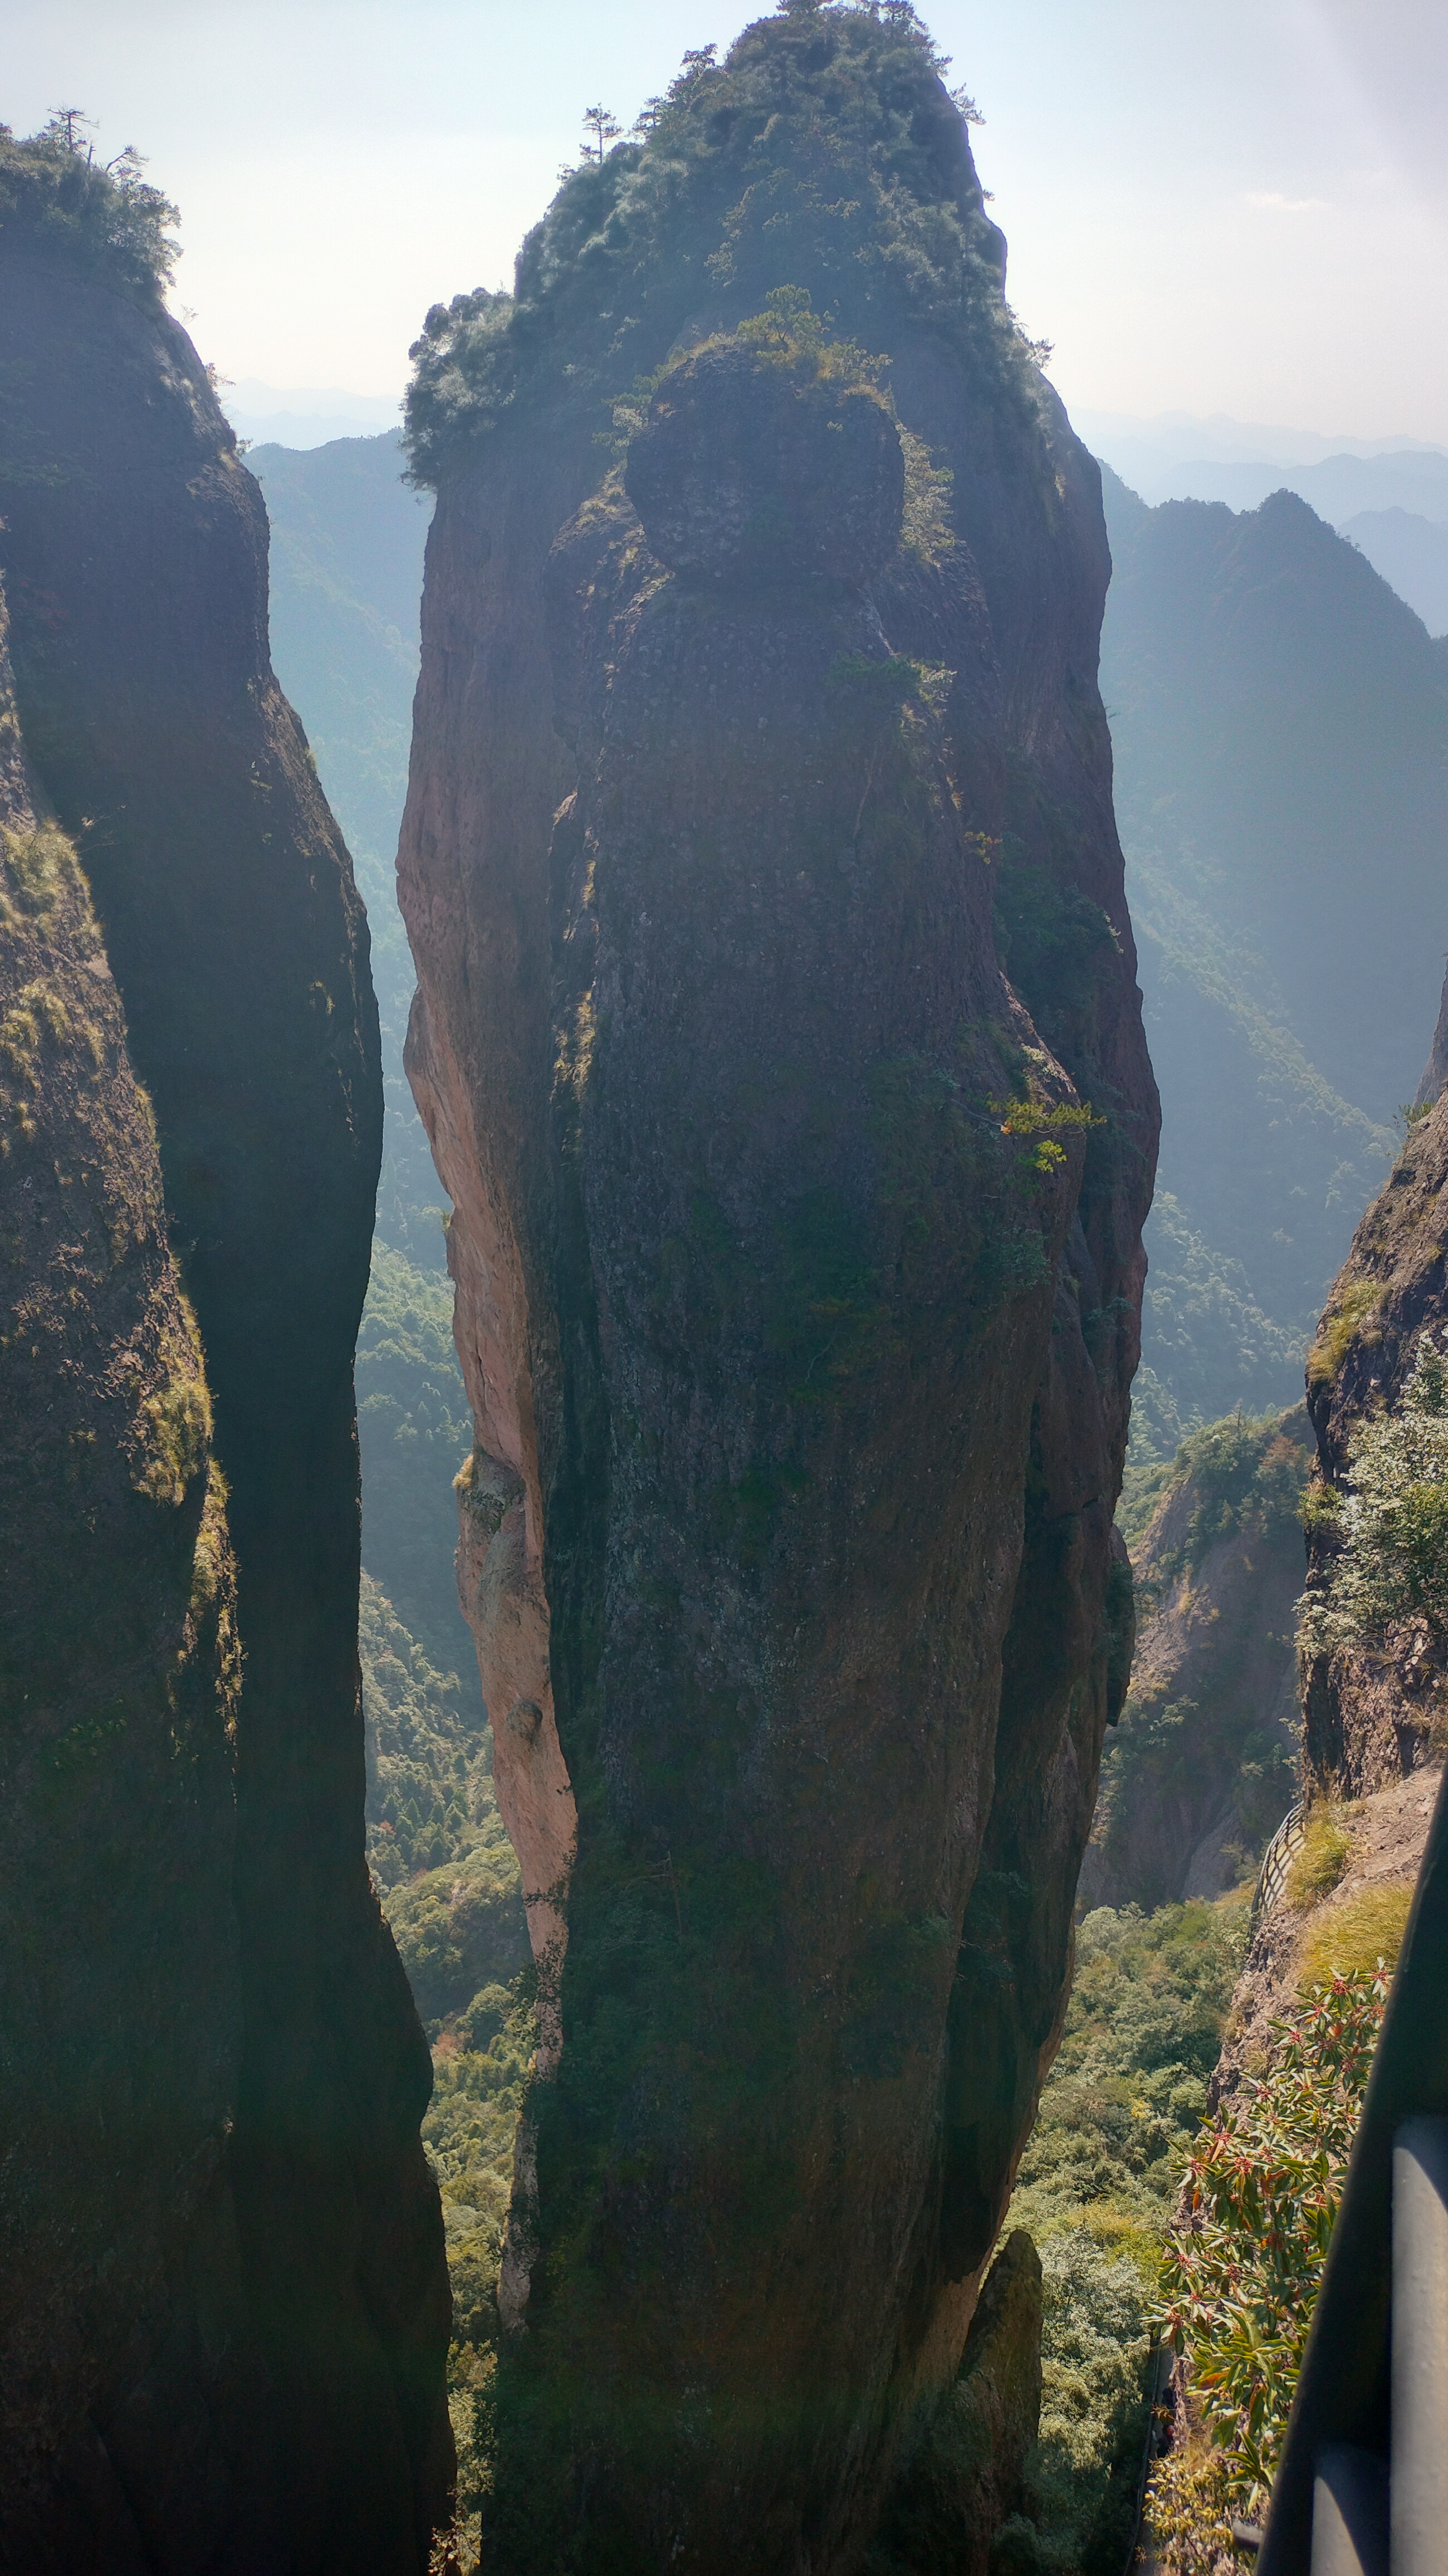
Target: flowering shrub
(1241, 2269)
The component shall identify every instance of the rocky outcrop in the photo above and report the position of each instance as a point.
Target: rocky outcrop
(1203, 1764)
(797, 1291)
(1373, 1730)
(1373, 1714)
(264, 2371)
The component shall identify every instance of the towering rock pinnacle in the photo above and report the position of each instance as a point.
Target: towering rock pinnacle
(798, 1268)
(239, 2361)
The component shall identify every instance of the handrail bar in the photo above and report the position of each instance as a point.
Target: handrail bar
(1272, 1876)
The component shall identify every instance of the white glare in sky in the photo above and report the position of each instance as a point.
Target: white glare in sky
(1241, 208)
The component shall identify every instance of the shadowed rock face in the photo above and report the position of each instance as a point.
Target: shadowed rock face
(798, 1314)
(967, 2477)
(120, 1998)
(279, 2402)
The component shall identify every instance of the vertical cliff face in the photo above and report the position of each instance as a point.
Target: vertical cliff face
(120, 2003)
(1203, 1765)
(134, 554)
(798, 1284)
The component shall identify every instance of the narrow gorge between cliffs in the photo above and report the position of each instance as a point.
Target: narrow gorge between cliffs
(643, 1675)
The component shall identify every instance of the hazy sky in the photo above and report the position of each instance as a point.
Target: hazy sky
(1212, 205)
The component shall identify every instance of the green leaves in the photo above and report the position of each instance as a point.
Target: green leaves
(822, 151)
(1392, 1560)
(1241, 2271)
(104, 218)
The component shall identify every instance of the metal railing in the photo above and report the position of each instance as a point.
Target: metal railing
(1277, 1860)
(1362, 2486)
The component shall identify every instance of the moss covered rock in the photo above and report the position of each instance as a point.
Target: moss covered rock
(134, 549)
(757, 463)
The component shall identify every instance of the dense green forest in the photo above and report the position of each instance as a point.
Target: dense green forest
(1096, 2189)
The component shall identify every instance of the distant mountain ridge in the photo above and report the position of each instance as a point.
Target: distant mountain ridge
(1278, 717)
(1220, 435)
(304, 416)
(1390, 496)
(1411, 553)
(1336, 487)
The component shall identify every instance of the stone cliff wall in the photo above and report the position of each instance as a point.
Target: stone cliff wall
(1204, 1763)
(303, 2424)
(120, 1998)
(1373, 1711)
(1371, 1716)
(797, 1294)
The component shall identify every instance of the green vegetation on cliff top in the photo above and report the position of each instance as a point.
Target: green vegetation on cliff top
(1247, 1472)
(103, 217)
(823, 149)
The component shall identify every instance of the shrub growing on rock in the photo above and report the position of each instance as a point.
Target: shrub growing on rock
(1392, 1560)
(1242, 2267)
